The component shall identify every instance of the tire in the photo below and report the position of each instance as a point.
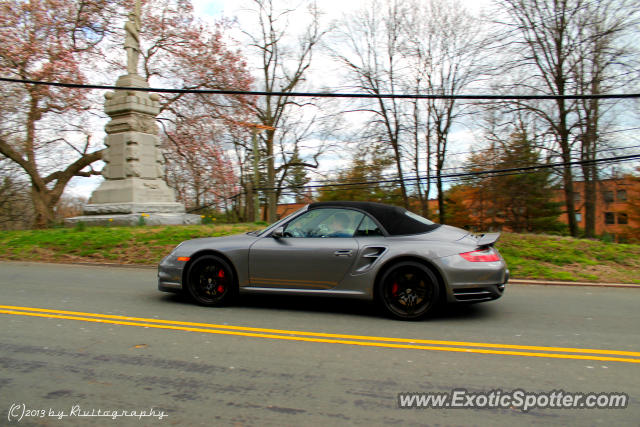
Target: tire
(211, 281)
(408, 290)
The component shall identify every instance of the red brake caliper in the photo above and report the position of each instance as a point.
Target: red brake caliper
(220, 288)
(394, 289)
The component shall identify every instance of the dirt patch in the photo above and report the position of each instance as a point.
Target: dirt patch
(605, 273)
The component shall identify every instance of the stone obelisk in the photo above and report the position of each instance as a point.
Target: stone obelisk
(134, 185)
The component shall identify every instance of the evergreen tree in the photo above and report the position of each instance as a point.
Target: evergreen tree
(524, 201)
(520, 202)
(297, 178)
(367, 165)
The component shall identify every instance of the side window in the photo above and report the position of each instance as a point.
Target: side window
(325, 223)
(368, 228)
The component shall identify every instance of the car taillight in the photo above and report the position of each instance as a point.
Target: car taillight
(481, 255)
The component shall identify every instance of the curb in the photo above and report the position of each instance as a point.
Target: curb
(557, 283)
(86, 264)
(107, 264)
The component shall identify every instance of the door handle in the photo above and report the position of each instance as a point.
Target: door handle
(343, 252)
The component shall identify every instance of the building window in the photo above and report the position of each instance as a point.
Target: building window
(577, 197)
(622, 218)
(578, 217)
(608, 196)
(609, 218)
(621, 195)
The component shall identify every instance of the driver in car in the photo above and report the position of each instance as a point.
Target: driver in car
(339, 226)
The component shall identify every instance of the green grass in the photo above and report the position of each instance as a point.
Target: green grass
(566, 258)
(528, 255)
(129, 245)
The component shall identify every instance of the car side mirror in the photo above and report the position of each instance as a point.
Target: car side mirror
(278, 233)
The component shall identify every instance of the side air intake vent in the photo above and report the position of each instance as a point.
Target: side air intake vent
(368, 257)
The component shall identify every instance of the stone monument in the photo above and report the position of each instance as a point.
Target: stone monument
(134, 190)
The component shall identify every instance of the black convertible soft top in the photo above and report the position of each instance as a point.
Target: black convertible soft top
(394, 219)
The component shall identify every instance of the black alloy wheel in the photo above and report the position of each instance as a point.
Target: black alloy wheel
(408, 291)
(210, 281)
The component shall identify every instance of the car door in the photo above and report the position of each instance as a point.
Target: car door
(313, 253)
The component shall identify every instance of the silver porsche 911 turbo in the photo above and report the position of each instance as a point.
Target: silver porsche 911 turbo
(365, 250)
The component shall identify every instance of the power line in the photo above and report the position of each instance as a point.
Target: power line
(489, 162)
(465, 166)
(497, 172)
(323, 94)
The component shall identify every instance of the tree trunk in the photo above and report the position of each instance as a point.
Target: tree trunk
(440, 150)
(567, 181)
(590, 171)
(590, 194)
(565, 147)
(272, 201)
(45, 215)
(441, 216)
(427, 190)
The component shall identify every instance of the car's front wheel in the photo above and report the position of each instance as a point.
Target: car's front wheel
(210, 281)
(408, 290)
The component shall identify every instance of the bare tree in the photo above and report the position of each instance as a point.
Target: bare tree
(372, 43)
(450, 46)
(430, 47)
(283, 69)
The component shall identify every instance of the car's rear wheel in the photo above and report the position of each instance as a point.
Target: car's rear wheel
(210, 281)
(408, 290)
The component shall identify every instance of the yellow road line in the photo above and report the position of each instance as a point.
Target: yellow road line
(327, 335)
(49, 314)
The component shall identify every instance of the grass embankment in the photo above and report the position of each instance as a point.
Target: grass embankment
(536, 256)
(123, 245)
(528, 255)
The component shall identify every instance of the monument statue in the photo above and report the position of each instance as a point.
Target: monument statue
(132, 40)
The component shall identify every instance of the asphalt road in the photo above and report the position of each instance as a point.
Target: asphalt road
(110, 342)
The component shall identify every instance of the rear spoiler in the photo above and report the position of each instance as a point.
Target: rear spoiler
(488, 239)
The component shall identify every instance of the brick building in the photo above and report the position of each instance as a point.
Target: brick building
(615, 212)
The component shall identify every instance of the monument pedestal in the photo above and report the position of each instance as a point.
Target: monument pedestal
(134, 185)
(135, 219)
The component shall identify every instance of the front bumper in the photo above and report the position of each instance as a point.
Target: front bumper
(170, 275)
